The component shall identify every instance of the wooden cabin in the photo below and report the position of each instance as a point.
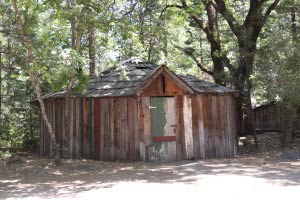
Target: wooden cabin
(140, 111)
(267, 118)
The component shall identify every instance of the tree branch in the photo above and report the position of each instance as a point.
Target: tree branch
(196, 19)
(269, 10)
(171, 6)
(22, 32)
(231, 20)
(200, 23)
(189, 52)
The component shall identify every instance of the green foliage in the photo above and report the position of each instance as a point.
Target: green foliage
(277, 72)
(125, 29)
(20, 130)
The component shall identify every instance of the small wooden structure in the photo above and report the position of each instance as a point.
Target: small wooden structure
(139, 111)
(266, 118)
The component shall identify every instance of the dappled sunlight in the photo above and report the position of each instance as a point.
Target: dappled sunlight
(84, 179)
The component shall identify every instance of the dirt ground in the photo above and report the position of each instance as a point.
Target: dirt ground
(250, 175)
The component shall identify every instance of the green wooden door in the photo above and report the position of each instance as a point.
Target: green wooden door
(163, 127)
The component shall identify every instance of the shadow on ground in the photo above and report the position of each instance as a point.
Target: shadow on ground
(38, 177)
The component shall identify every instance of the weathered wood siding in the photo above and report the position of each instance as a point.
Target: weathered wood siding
(101, 129)
(214, 128)
(120, 128)
(163, 86)
(266, 117)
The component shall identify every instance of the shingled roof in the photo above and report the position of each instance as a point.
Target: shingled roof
(125, 80)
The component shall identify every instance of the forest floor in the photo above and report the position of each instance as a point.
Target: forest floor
(250, 175)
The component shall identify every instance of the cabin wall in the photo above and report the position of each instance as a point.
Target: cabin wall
(101, 128)
(266, 118)
(120, 128)
(206, 126)
(214, 126)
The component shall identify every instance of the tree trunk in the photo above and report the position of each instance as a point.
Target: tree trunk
(294, 23)
(215, 44)
(69, 90)
(91, 47)
(34, 79)
(287, 116)
(55, 146)
(247, 48)
(68, 113)
(246, 34)
(0, 81)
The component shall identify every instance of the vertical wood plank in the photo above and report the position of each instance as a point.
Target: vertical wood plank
(102, 128)
(234, 125)
(52, 124)
(220, 127)
(91, 127)
(81, 127)
(45, 133)
(169, 129)
(141, 129)
(207, 124)
(188, 133)
(195, 127)
(229, 123)
(63, 129)
(179, 127)
(214, 138)
(48, 109)
(131, 131)
(136, 130)
(71, 127)
(111, 128)
(74, 155)
(58, 121)
(77, 142)
(116, 127)
(41, 135)
(126, 129)
(106, 128)
(86, 149)
(201, 127)
(55, 128)
(122, 130)
(227, 128)
(96, 129)
(147, 125)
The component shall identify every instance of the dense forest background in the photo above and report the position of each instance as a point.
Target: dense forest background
(48, 46)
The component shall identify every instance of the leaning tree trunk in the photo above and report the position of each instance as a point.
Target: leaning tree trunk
(34, 79)
(55, 146)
